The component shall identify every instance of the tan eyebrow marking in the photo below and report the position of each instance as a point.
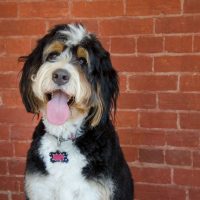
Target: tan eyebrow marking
(82, 52)
(55, 46)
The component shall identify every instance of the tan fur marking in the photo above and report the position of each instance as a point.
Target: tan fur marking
(99, 108)
(82, 52)
(55, 46)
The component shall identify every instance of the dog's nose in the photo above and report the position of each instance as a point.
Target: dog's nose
(60, 76)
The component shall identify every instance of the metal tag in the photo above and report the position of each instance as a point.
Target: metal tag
(58, 157)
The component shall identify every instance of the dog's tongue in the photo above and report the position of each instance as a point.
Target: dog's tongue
(57, 109)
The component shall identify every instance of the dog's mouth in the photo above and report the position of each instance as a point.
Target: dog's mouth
(58, 107)
(50, 95)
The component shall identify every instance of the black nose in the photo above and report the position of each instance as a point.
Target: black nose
(60, 76)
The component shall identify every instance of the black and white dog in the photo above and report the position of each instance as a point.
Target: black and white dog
(75, 152)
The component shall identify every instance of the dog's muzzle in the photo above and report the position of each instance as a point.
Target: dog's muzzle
(60, 77)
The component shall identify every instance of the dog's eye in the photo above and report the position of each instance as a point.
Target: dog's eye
(52, 56)
(82, 61)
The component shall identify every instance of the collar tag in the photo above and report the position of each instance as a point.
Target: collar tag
(58, 157)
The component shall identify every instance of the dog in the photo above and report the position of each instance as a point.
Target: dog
(75, 153)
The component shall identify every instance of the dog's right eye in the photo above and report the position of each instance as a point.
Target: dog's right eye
(82, 61)
(52, 56)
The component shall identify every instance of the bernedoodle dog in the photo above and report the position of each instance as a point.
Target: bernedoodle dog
(75, 152)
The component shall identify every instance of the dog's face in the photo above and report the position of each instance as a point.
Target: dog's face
(69, 73)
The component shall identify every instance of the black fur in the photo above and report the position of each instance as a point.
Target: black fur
(99, 144)
(35, 163)
(101, 147)
(102, 73)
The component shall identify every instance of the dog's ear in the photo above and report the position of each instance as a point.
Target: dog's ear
(108, 85)
(104, 79)
(32, 63)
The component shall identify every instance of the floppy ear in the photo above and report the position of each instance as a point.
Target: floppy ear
(32, 63)
(25, 85)
(104, 80)
(108, 84)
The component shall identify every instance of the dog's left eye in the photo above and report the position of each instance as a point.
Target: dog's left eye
(82, 61)
(52, 56)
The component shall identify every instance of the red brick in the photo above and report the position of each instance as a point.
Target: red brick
(125, 136)
(191, 6)
(153, 83)
(152, 175)
(18, 46)
(156, 192)
(178, 44)
(194, 194)
(136, 100)
(187, 177)
(16, 167)
(4, 135)
(197, 43)
(8, 9)
(44, 9)
(10, 64)
(18, 196)
(8, 81)
(150, 44)
(11, 98)
(158, 120)
(182, 139)
(21, 186)
(130, 153)
(21, 149)
(179, 101)
(152, 7)
(21, 132)
(190, 83)
(123, 82)
(15, 115)
(105, 41)
(125, 26)
(196, 159)
(178, 157)
(126, 119)
(132, 63)
(123, 45)
(189, 24)
(148, 138)
(90, 24)
(3, 167)
(4, 196)
(6, 149)
(97, 8)
(123, 36)
(9, 183)
(2, 47)
(186, 63)
(151, 155)
(22, 27)
(190, 120)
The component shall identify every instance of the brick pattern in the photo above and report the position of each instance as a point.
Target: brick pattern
(155, 46)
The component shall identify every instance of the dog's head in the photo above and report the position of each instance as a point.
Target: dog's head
(69, 73)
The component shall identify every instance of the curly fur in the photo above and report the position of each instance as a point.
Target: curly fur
(96, 169)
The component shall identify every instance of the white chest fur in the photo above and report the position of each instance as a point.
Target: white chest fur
(64, 181)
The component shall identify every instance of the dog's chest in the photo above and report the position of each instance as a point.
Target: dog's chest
(64, 179)
(61, 158)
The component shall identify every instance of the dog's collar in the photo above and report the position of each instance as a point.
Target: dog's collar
(61, 139)
(61, 156)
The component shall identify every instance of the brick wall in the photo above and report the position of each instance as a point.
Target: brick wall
(155, 46)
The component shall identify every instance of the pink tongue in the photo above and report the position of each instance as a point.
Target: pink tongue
(57, 109)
